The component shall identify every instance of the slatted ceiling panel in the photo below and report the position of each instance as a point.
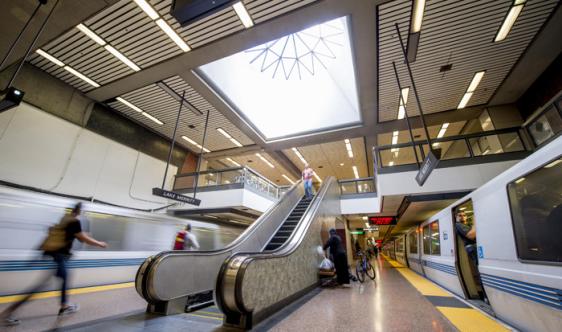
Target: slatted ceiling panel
(263, 10)
(460, 33)
(156, 102)
(330, 156)
(273, 174)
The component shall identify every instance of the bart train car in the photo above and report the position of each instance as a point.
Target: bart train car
(131, 235)
(516, 263)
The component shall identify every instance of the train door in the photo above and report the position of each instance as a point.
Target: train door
(466, 251)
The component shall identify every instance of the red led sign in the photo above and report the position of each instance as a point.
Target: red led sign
(382, 221)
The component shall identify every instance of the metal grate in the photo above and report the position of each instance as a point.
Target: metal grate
(457, 32)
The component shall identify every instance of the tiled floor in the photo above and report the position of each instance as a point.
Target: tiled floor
(391, 303)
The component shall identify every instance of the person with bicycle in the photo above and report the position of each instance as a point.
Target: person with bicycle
(339, 257)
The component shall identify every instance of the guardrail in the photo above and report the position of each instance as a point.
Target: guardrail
(488, 146)
(237, 177)
(357, 186)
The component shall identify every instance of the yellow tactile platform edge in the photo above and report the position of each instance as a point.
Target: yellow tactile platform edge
(84, 290)
(464, 319)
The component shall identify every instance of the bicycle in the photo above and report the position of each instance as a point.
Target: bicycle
(364, 267)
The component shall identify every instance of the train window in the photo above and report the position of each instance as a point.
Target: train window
(536, 209)
(426, 240)
(435, 242)
(413, 242)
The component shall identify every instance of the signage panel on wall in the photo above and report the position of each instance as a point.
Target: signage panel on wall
(383, 221)
(175, 196)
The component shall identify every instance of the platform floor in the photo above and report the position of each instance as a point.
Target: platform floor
(399, 300)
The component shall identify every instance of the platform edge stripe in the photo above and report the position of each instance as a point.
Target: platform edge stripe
(547, 303)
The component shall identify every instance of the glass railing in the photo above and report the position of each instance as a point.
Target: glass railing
(357, 186)
(490, 143)
(231, 177)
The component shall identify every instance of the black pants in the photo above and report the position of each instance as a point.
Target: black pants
(60, 272)
(340, 261)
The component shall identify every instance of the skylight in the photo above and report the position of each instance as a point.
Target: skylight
(300, 83)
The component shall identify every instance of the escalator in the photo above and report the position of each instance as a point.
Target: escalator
(288, 226)
(252, 286)
(179, 281)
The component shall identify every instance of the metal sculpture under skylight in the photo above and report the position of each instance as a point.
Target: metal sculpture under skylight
(301, 52)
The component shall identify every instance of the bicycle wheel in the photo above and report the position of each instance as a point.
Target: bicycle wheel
(360, 272)
(371, 271)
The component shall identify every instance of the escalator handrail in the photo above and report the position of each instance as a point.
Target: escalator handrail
(238, 262)
(152, 261)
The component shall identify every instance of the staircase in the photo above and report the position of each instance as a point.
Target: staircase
(289, 225)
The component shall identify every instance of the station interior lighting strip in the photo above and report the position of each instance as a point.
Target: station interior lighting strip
(195, 143)
(415, 30)
(395, 141)
(348, 148)
(227, 135)
(163, 25)
(510, 19)
(417, 16)
(233, 162)
(67, 68)
(317, 177)
(471, 88)
(137, 109)
(355, 172)
(441, 132)
(288, 179)
(296, 151)
(108, 47)
(403, 102)
(265, 160)
(243, 14)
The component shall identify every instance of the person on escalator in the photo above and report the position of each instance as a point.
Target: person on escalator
(339, 257)
(307, 174)
(186, 240)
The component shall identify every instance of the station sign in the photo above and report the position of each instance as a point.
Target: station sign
(175, 196)
(428, 165)
(383, 221)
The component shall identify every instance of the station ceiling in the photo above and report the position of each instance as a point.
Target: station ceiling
(455, 34)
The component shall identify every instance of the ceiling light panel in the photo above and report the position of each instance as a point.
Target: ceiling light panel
(243, 14)
(509, 21)
(197, 145)
(128, 29)
(233, 162)
(355, 172)
(230, 138)
(265, 160)
(158, 103)
(445, 28)
(348, 148)
(49, 57)
(288, 179)
(91, 34)
(300, 156)
(417, 15)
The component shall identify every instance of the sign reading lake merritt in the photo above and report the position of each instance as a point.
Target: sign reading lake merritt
(383, 221)
(175, 196)
(428, 165)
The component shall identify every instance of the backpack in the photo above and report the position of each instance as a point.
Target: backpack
(180, 241)
(56, 238)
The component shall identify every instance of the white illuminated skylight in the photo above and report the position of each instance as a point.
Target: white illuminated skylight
(300, 83)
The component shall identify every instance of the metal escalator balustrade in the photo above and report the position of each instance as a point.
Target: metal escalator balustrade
(170, 280)
(252, 286)
(288, 226)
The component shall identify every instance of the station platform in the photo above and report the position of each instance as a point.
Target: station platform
(398, 300)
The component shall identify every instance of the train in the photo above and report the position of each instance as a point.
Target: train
(515, 267)
(131, 235)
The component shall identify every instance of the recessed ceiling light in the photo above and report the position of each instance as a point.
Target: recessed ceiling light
(147, 9)
(554, 163)
(288, 179)
(121, 57)
(317, 177)
(265, 160)
(91, 34)
(173, 35)
(49, 57)
(509, 20)
(341, 164)
(300, 156)
(348, 148)
(471, 88)
(152, 118)
(130, 105)
(417, 15)
(391, 163)
(195, 143)
(81, 76)
(355, 172)
(227, 135)
(402, 103)
(443, 130)
(243, 14)
(233, 162)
